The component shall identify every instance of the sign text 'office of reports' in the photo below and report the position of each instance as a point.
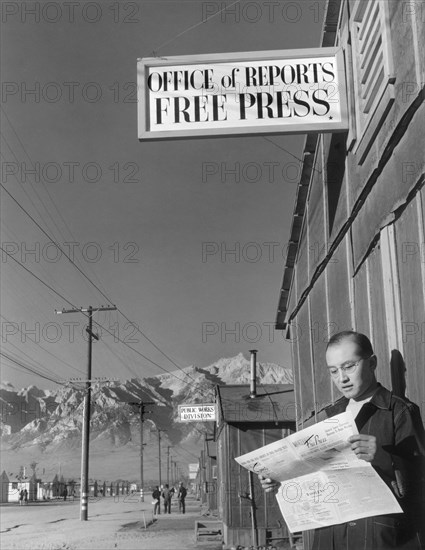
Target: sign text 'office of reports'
(235, 94)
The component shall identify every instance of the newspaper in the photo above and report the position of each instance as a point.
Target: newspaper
(322, 480)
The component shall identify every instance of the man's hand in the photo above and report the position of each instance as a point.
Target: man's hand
(364, 446)
(269, 485)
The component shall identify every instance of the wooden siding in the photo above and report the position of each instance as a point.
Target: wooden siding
(372, 278)
(336, 184)
(292, 297)
(320, 330)
(236, 511)
(297, 379)
(302, 263)
(409, 231)
(306, 377)
(361, 300)
(317, 240)
(405, 32)
(378, 332)
(396, 181)
(339, 292)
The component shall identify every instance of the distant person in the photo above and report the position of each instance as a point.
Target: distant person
(181, 496)
(21, 497)
(156, 495)
(25, 496)
(65, 493)
(166, 495)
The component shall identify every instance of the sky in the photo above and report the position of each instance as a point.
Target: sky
(186, 237)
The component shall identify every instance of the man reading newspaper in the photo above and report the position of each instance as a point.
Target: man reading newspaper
(391, 438)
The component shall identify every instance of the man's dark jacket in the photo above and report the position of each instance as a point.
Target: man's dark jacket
(400, 457)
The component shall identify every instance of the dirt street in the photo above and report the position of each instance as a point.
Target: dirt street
(113, 524)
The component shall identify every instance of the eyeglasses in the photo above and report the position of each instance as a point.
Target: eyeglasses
(347, 369)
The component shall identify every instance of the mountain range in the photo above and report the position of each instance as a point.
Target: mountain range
(44, 426)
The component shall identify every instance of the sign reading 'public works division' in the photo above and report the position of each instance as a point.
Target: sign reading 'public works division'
(270, 92)
(197, 412)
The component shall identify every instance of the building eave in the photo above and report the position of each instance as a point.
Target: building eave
(329, 30)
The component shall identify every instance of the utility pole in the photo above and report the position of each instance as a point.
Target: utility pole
(172, 476)
(141, 406)
(168, 463)
(159, 454)
(84, 489)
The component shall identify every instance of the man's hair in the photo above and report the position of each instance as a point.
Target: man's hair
(358, 338)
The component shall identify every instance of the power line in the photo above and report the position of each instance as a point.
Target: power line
(41, 369)
(98, 324)
(32, 163)
(141, 354)
(289, 153)
(54, 291)
(40, 346)
(45, 188)
(111, 349)
(193, 27)
(92, 283)
(38, 369)
(34, 275)
(33, 370)
(66, 255)
(27, 194)
(156, 347)
(185, 450)
(41, 270)
(136, 351)
(52, 240)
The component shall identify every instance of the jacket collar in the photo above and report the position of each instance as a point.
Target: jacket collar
(381, 399)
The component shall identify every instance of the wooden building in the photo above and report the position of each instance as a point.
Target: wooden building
(15, 486)
(356, 256)
(4, 494)
(207, 474)
(211, 473)
(244, 424)
(202, 479)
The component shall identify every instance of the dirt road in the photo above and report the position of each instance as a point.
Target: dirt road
(112, 524)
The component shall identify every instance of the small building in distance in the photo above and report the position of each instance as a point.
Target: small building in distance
(4, 495)
(15, 486)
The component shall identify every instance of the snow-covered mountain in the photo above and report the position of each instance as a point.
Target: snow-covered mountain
(44, 426)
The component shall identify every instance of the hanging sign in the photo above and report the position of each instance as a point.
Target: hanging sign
(256, 93)
(197, 412)
(193, 470)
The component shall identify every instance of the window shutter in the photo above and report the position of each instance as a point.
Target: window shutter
(373, 70)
